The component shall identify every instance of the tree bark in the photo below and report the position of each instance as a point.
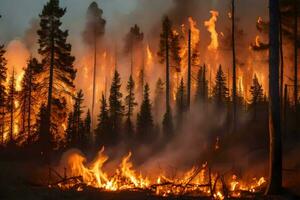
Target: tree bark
(296, 57)
(281, 61)
(234, 67)
(94, 78)
(275, 154)
(189, 71)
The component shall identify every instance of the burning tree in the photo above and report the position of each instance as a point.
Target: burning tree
(257, 98)
(58, 71)
(3, 94)
(202, 85)
(28, 98)
(92, 36)
(11, 106)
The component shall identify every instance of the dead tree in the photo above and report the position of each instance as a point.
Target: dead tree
(275, 157)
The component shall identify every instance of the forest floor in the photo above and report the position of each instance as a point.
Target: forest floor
(25, 180)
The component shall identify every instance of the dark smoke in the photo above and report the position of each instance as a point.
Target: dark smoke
(95, 25)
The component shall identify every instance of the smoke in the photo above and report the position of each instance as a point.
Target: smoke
(95, 25)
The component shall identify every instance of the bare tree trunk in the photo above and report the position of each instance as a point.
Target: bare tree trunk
(281, 60)
(29, 106)
(296, 57)
(189, 72)
(94, 79)
(275, 157)
(234, 67)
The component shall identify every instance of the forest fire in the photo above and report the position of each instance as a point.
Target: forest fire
(191, 100)
(198, 181)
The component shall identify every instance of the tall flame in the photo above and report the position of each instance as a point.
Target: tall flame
(211, 27)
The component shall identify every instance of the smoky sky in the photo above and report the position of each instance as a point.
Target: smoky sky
(18, 14)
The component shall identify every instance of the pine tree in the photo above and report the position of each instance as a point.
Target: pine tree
(180, 103)
(3, 94)
(144, 118)
(115, 108)
(130, 103)
(45, 139)
(168, 127)
(220, 91)
(275, 151)
(87, 135)
(28, 97)
(202, 85)
(70, 130)
(103, 129)
(77, 120)
(57, 61)
(133, 39)
(92, 35)
(257, 95)
(11, 106)
(164, 55)
(158, 99)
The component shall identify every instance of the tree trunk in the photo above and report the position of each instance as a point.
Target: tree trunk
(94, 79)
(29, 107)
(189, 71)
(167, 73)
(275, 157)
(281, 61)
(295, 56)
(234, 67)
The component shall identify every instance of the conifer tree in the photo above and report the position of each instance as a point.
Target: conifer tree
(144, 118)
(180, 103)
(27, 97)
(103, 129)
(57, 61)
(11, 105)
(87, 134)
(257, 95)
(130, 103)
(220, 90)
(158, 99)
(164, 56)
(70, 130)
(92, 36)
(115, 108)
(133, 39)
(202, 85)
(77, 120)
(45, 139)
(3, 94)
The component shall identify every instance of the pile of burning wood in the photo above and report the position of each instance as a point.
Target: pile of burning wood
(199, 181)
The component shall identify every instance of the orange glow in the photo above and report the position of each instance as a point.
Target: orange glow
(125, 177)
(211, 27)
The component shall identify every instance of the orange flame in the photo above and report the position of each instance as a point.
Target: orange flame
(211, 27)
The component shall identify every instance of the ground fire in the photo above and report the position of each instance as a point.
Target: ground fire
(178, 99)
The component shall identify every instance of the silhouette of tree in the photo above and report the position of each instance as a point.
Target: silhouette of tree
(103, 130)
(220, 91)
(3, 94)
(130, 103)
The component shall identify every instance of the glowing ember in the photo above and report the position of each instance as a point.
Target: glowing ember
(124, 177)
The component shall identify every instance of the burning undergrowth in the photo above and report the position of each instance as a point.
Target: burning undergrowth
(199, 180)
(169, 171)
